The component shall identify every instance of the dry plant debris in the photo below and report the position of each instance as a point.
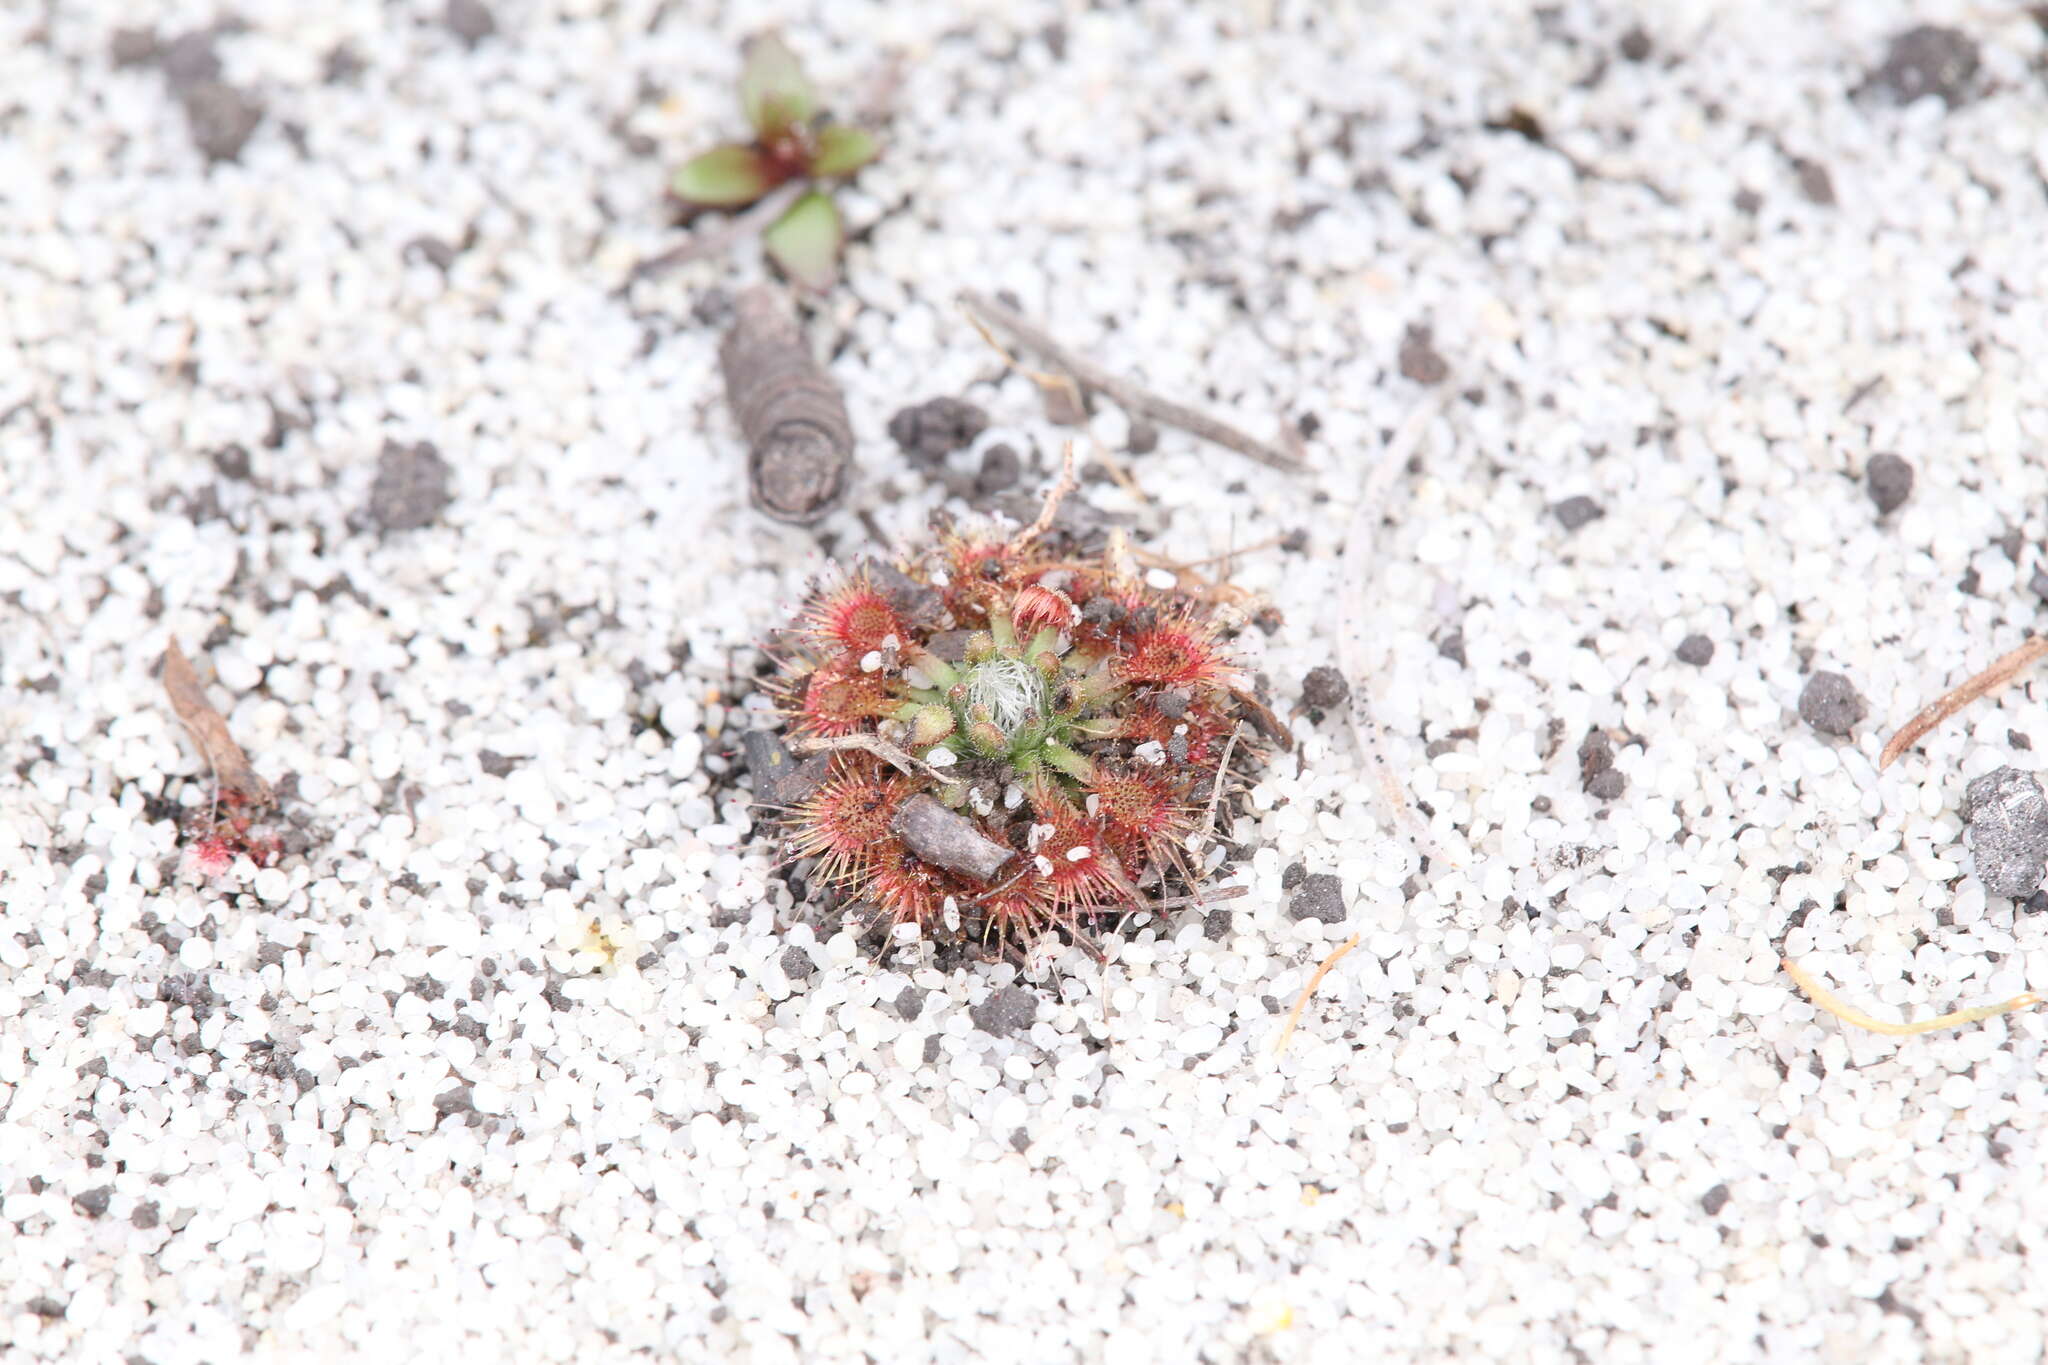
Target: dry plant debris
(2001, 672)
(1079, 372)
(799, 441)
(232, 824)
(1827, 1000)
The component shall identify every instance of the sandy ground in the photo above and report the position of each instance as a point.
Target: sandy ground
(318, 364)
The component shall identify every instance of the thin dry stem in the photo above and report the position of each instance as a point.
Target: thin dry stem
(1062, 486)
(1301, 1002)
(1827, 1000)
(1216, 789)
(1115, 469)
(1126, 394)
(1158, 561)
(712, 241)
(870, 744)
(1990, 680)
(1046, 380)
(1221, 893)
(1356, 575)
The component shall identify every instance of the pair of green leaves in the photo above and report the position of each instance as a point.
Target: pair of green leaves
(791, 142)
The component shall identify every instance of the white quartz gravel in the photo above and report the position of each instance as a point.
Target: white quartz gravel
(515, 1060)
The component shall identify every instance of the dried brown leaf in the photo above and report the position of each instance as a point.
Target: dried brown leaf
(231, 770)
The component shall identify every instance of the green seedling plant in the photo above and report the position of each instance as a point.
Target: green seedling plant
(792, 143)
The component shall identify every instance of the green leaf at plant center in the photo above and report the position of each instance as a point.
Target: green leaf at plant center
(725, 177)
(805, 242)
(774, 91)
(842, 150)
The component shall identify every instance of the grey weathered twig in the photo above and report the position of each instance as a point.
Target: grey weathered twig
(1126, 394)
(798, 437)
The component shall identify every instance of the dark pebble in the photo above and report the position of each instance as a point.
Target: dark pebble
(1321, 897)
(1216, 925)
(1325, 687)
(133, 47)
(1815, 183)
(1598, 776)
(343, 63)
(1831, 704)
(469, 20)
(1005, 1012)
(1890, 480)
(935, 429)
(189, 60)
(232, 461)
(1928, 60)
(2038, 584)
(909, 1004)
(93, 1203)
(797, 964)
(494, 763)
(1714, 1200)
(455, 1100)
(932, 1048)
(779, 780)
(918, 601)
(146, 1215)
(1635, 45)
(1576, 511)
(43, 1306)
(1001, 468)
(1696, 650)
(1419, 359)
(2007, 821)
(432, 250)
(1452, 647)
(1295, 875)
(221, 119)
(1143, 438)
(411, 488)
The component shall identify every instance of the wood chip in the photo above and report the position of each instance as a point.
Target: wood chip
(950, 840)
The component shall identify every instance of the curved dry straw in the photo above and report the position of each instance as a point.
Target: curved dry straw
(1823, 997)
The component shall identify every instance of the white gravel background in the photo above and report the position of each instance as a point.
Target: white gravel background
(386, 1101)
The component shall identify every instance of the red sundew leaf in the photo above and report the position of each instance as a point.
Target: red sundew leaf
(842, 150)
(805, 242)
(853, 616)
(727, 176)
(774, 91)
(840, 699)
